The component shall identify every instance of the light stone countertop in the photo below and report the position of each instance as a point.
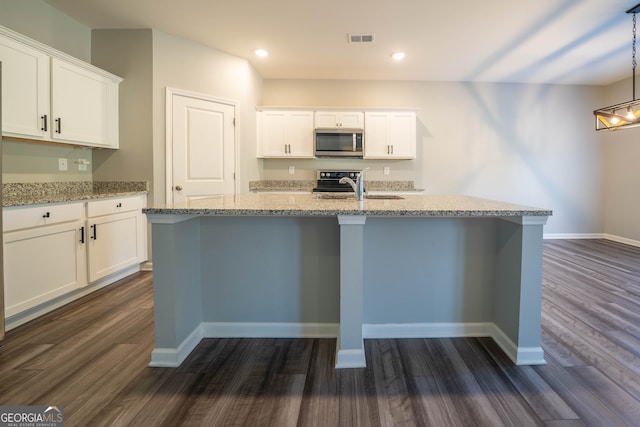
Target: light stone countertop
(266, 204)
(38, 193)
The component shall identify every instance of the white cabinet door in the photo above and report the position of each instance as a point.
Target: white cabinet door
(25, 90)
(299, 134)
(285, 134)
(116, 236)
(272, 134)
(84, 106)
(339, 119)
(42, 263)
(390, 135)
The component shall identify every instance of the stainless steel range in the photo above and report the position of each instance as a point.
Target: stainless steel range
(328, 181)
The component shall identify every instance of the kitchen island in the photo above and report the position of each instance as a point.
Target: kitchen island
(302, 265)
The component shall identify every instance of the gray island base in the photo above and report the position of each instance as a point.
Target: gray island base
(273, 265)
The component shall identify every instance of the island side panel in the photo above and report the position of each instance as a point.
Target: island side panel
(176, 289)
(350, 348)
(270, 276)
(518, 294)
(429, 277)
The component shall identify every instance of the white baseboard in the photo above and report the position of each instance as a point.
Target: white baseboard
(518, 355)
(270, 330)
(173, 357)
(624, 240)
(612, 237)
(348, 359)
(44, 308)
(426, 330)
(568, 236)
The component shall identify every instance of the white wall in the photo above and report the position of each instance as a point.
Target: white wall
(622, 179)
(182, 64)
(528, 144)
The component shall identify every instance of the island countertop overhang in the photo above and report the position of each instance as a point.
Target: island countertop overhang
(460, 206)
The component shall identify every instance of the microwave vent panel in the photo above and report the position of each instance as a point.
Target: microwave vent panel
(362, 38)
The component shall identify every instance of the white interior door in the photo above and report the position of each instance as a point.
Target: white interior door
(202, 136)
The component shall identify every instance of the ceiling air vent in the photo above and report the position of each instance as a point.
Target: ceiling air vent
(362, 38)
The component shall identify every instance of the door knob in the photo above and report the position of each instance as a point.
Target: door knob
(178, 187)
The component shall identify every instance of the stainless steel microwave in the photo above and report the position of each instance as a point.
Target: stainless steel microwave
(339, 142)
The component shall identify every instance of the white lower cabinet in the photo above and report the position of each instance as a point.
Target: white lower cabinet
(116, 235)
(42, 263)
(51, 250)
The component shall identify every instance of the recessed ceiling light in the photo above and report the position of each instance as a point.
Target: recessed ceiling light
(398, 56)
(261, 52)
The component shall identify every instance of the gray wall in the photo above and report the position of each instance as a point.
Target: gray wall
(33, 162)
(622, 180)
(182, 64)
(528, 144)
(40, 21)
(128, 54)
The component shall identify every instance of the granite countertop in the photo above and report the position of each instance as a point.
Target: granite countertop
(37, 193)
(309, 185)
(265, 204)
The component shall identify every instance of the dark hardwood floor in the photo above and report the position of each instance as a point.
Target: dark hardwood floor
(91, 357)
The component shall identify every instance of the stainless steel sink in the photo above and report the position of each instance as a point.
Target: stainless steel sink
(351, 196)
(383, 197)
(335, 196)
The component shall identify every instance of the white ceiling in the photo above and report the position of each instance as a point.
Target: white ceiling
(539, 41)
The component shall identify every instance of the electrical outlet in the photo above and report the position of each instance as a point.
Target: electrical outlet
(82, 166)
(292, 170)
(385, 170)
(62, 164)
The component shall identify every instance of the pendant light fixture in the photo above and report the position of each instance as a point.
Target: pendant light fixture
(627, 114)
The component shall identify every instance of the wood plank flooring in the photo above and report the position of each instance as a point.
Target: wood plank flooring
(91, 357)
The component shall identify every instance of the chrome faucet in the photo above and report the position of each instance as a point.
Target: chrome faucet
(358, 185)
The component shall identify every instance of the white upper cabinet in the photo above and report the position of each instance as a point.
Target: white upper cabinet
(339, 119)
(285, 134)
(50, 96)
(25, 90)
(84, 106)
(390, 135)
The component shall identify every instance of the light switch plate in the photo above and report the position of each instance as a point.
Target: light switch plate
(62, 164)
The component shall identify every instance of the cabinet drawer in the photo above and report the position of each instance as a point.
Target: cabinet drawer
(16, 218)
(115, 205)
